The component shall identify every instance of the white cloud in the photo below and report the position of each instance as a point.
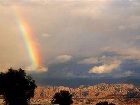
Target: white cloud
(130, 52)
(105, 68)
(101, 58)
(124, 74)
(42, 69)
(127, 73)
(91, 60)
(39, 69)
(63, 58)
(46, 35)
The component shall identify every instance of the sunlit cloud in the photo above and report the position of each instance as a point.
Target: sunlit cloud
(37, 70)
(91, 60)
(126, 73)
(46, 35)
(63, 58)
(105, 68)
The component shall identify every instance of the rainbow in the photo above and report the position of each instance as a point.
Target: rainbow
(30, 44)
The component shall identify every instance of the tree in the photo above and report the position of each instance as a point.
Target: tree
(104, 103)
(132, 93)
(16, 87)
(62, 98)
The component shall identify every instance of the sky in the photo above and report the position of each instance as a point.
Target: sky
(75, 38)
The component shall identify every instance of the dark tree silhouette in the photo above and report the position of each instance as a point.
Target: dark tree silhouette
(16, 87)
(62, 98)
(104, 103)
(132, 93)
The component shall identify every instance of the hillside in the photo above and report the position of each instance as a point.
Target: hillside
(120, 94)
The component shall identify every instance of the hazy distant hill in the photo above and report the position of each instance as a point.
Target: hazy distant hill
(76, 82)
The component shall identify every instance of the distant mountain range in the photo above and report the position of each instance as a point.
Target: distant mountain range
(76, 82)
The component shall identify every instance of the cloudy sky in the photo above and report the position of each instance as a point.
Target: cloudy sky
(76, 38)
